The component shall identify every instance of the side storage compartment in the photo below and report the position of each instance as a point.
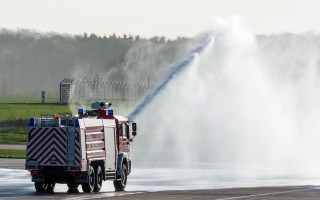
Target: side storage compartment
(111, 148)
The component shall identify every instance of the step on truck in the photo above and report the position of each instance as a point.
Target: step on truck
(85, 149)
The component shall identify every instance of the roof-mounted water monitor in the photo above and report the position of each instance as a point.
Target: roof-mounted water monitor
(100, 105)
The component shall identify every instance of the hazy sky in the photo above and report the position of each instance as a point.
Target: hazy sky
(170, 18)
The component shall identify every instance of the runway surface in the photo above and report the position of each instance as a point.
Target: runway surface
(160, 183)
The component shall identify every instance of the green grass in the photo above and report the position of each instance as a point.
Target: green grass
(12, 153)
(13, 136)
(26, 100)
(25, 108)
(15, 111)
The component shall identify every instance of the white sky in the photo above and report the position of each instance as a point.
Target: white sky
(147, 18)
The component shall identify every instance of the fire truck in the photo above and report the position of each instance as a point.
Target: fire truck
(86, 149)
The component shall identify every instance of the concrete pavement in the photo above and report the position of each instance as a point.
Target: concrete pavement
(12, 146)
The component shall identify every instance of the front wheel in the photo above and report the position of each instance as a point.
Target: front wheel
(99, 178)
(120, 185)
(88, 187)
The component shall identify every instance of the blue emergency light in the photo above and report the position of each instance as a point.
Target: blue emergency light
(31, 122)
(80, 111)
(110, 112)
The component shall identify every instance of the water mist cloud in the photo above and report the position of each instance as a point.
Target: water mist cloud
(247, 101)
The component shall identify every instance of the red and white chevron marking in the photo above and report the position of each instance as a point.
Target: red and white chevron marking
(47, 145)
(77, 157)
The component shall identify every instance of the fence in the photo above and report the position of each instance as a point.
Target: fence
(16, 124)
(99, 89)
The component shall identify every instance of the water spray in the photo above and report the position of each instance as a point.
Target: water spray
(246, 108)
(174, 71)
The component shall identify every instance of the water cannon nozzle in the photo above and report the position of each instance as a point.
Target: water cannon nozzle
(100, 105)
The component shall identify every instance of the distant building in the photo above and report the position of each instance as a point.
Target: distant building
(65, 89)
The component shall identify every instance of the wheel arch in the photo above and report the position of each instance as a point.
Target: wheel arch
(122, 159)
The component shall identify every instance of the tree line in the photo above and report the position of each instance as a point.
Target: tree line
(32, 61)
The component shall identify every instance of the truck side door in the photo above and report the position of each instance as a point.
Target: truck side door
(124, 137)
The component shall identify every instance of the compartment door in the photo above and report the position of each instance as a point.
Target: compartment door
(110, 147)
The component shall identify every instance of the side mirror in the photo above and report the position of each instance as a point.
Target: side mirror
(134, 129)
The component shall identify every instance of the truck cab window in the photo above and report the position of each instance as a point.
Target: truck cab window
(120, 130)
(124, 130)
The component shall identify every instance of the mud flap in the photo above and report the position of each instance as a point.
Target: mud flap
(82, 178)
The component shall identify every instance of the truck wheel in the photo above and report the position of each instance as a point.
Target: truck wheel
(50, 187)
(40, 186)
(120, 185)
(88, 187)
(73, 187)
(99, 178)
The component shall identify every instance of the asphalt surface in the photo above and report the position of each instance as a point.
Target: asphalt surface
(15, 183)
(263, 193)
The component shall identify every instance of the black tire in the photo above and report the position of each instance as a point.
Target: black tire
(120, 185)
(73, 187)
(50, 187)
(88, 187)
(40, 186)
(99, 179)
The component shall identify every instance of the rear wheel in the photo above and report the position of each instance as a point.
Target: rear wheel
(120, 184)
(88, 187)
(99, 178)
(42, 187)
(50, 187)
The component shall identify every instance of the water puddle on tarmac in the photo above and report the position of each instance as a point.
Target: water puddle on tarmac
(17, 183)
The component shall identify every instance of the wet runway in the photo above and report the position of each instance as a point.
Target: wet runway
(157, 183)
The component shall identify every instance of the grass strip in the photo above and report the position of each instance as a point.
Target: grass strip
(27, 100)
(13, 136)
(12, 111)
(12, 153)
